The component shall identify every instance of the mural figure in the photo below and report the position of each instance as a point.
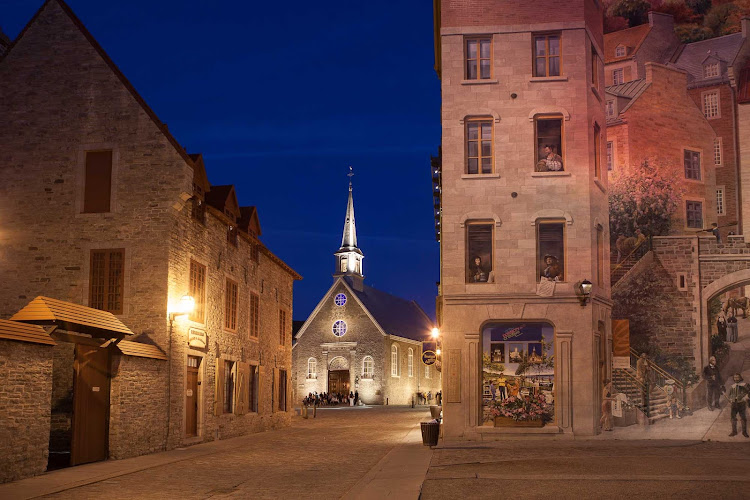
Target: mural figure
(737, 303)
(672, 400)
(607, 420)
(739, 394)
(731, 330)
(714, 383)
(552, 270)
(550, 160)
(721, 326)
(478, 273)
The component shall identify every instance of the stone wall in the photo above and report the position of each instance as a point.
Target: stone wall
(137, 418)
(25, 394)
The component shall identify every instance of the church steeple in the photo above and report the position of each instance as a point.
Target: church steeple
(349, 257)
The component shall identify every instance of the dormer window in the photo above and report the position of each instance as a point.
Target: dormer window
(620, 51)
(711, 70)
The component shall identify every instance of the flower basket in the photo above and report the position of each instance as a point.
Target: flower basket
(509, 422)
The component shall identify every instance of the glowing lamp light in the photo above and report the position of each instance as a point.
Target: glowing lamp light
(437, 351)
(185, 306)
(583, 290)
(435, 333)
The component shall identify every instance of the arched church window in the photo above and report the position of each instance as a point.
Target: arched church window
(339, 328)
(394, 360)
(411, 362)
(340, 299)
(312, 368)
(368, 367)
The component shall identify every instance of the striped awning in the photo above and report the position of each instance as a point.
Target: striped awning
(35, 334)
(72, 317)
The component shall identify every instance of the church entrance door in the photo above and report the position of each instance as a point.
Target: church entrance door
(338, 381)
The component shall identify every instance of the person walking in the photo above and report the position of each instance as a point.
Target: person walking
(714, 384)
(739, 394)
(731, 330)
(356, 398)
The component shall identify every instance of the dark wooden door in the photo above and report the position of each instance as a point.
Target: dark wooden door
(338, 381)
(191, 397)
(90, 404)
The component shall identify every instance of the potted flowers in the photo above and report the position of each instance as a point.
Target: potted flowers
(531, 410)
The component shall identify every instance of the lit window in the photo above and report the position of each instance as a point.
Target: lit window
(720, 201)
(692, 165)
(711, 70)
(340, 299)
(479, 253)
(694, 214)
(610, 156)
(717, 151)
(549, 144)
(410, 362)
(339, 328)
(368, 367)
(394, 360)
(711, 104)
(547, 55)
(620, 51)
(618, 76)
(478, 58)
(312, 368)
(197, 290)
(479, 146)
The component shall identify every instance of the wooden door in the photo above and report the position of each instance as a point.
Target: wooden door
(338, 381)
(90, 404)
(191, 397)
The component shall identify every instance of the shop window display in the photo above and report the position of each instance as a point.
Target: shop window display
(518, 372)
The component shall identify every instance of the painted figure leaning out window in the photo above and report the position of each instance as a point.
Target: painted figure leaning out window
(552, 270)
(550, 161)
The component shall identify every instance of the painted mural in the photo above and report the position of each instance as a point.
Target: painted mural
(518, 374)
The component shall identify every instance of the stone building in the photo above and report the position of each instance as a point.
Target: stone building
(659, 106)
(362, 339)
(102, 207)
(523, 211)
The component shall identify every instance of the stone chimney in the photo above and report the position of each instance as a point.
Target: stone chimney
(745, 23)
(660, 20)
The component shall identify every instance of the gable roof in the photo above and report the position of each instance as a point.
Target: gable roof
(98, 48)
(224, 198)
(200, 177)
(691, 58)
(23, 332)
(249, 221)
(631, 38)
(396, 316)
(70, 316)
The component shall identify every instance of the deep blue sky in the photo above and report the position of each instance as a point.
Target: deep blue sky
(281, 97)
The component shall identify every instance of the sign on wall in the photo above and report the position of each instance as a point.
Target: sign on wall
(429, 357)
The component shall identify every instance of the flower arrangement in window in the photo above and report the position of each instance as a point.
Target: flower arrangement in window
(522, 408)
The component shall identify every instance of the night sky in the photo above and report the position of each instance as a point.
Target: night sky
(281, 97)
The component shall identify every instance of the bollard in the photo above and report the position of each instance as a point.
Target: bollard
(412, 402)
(386, 401)
(304, 411)
(315, 410)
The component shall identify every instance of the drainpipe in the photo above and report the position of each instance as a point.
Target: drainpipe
(169, 384)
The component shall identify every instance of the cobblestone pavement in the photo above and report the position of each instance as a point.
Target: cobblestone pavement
(317, 458)
(590, 469)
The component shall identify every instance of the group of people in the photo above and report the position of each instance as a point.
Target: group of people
(426, 398)
(727, 327)
(331, 399)
(738, 395)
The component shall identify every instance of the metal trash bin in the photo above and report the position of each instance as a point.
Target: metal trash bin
(430, 433)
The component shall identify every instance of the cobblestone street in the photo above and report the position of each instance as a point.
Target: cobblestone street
(324, 457)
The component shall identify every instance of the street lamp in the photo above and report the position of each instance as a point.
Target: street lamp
(435, 333)
(184, 307)
(583, 290)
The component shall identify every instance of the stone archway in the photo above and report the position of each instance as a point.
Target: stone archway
(717, 287)
(338, 363)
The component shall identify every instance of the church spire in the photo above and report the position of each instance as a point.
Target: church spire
(349, 257)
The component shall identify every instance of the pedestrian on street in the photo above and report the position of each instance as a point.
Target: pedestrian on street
(738, 397)
(714, 384)
(731, 328)
(356, 398)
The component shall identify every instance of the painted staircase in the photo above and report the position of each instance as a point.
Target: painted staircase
(623, 379)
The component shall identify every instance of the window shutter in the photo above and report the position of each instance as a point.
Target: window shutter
(98, 182)
(219, 393)
(241, 389)
(274, 385)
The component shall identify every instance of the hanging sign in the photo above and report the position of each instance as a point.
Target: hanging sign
(429, 357)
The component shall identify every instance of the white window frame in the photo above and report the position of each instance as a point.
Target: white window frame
(394, 361)
(620, 51)
(368, 362)
(312, 368)
(615, 79)
(334, 328)
(711, 70)
(711, 110)
(410, 362)
(720, 200)
(718, 152)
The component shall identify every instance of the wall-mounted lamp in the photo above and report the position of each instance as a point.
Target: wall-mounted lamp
(583, 290)
(184, 307)
(435, 333)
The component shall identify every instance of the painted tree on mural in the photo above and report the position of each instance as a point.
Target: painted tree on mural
(645, 198)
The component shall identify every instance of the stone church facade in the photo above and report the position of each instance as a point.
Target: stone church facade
(361, 339)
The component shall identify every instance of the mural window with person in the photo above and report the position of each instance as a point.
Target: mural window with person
(551, 250)
(520, 386)
(479, 253)
(549, 142)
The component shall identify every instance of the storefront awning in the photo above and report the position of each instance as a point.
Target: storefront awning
(72, 317)
(35, 334)
(140, 350)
